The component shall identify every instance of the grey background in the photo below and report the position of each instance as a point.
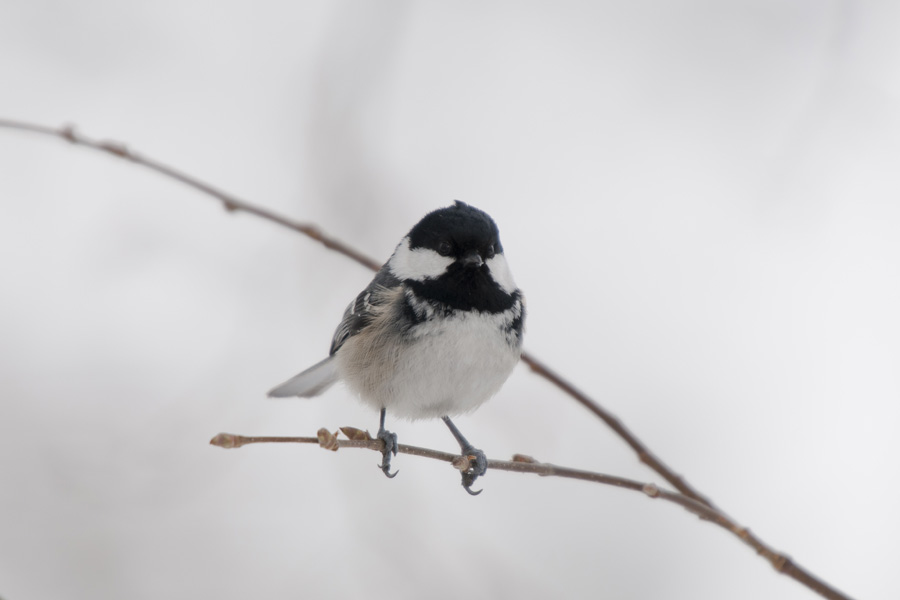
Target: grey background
(700, 200)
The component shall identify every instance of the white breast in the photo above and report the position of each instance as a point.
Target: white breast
(447, 366)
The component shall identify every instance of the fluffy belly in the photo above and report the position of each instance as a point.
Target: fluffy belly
(444, 367)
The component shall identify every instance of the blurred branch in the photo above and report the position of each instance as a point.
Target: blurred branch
(229, 202)
(688, 494)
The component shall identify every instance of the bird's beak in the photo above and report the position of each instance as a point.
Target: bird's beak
(472, 259)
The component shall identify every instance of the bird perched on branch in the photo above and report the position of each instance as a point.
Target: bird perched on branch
(435, 334)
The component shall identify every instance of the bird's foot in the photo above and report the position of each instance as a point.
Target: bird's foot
(477, 468)
(390, 447)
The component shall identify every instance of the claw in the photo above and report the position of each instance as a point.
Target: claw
(386, 468)
(477, 468)
(390, 447)
(477, 459)
(467, 480)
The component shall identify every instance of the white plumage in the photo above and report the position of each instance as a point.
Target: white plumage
(446, 366)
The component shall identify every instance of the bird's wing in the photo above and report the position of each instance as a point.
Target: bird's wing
(360, 312)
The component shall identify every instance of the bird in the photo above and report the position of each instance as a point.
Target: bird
(435, 334)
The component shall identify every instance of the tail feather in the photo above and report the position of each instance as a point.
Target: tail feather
(310, 382)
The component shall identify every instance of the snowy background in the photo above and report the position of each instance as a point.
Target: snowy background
(701, 201)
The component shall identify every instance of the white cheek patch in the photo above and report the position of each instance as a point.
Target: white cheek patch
(419, 264)
(500, 273)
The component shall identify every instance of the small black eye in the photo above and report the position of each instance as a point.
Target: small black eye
(489, 252)
(444, 248)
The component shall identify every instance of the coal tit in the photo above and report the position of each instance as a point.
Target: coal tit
(435, 334)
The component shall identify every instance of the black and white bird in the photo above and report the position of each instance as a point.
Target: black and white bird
(435, 334)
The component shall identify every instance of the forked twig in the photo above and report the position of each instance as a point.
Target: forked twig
(688, 495)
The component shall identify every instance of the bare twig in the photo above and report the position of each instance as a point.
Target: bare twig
(688, 495)
(646, 457)
(524, 464)
(520, 464)
(229, 202)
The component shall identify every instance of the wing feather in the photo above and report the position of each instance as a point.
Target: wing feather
(310, 382)
(359, 313)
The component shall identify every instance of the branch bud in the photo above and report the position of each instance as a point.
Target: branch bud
(327, 439)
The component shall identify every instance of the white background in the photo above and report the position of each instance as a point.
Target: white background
(701, 201)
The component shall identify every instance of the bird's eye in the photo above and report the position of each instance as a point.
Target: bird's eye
(444, 248)
(489, 252)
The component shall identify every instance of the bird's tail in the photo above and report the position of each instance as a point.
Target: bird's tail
(310, 382)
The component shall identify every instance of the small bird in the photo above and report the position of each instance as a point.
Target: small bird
(435, 334)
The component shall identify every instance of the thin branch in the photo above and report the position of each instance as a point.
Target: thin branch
(526, 464)
(519, 464)
(231, 203)
(645, 456)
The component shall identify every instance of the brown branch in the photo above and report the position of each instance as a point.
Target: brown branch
(645, 456)
(525, 464)
(519, 464)
(231, 203)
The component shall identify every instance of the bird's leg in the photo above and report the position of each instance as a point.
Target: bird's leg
(390, 447)
(477, 466)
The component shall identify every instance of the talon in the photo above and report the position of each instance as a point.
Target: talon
(390, 447)
(468, 478)
(476, 458)
(477, 468)
(385, 468)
